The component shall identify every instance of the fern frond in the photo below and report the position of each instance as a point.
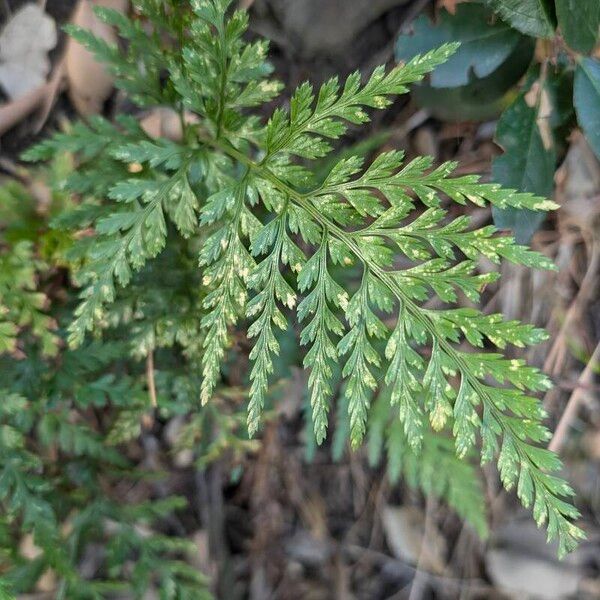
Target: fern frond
(302, 131)
(261, 217)
(362, 358)
(446, 360)
(21, 304)
(228, 265)
(322, 356)
(128, 238)
(271, 288)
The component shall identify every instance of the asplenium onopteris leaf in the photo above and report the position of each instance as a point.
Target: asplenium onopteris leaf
(280, 250)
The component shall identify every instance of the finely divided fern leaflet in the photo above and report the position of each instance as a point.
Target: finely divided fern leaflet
(279, 248)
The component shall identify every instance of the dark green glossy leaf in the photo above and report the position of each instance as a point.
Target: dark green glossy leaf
(533, 17)
(486, 43)
(579, 22)
(482, 98)
(586, 98)
(525, 133)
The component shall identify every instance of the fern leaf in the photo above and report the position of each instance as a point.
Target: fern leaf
(258, 205)
(322, 355)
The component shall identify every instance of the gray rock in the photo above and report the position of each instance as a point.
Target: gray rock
(322, 27)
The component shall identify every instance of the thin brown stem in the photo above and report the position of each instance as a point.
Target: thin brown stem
(419, 584)
(570, 412)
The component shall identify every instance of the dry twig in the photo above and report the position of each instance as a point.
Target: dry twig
(570, 411)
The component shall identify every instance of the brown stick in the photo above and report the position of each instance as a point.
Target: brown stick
(54, 87)
(557, 353)
(419, 584)
(560, 434)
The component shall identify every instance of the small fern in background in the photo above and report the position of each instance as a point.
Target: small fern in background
(227, 227)
(59, 418)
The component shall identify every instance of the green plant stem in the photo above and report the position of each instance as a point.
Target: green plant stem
(222, 82)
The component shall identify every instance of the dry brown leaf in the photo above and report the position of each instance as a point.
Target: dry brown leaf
(24, 45)
(55, 86)
(524, 576)
(13, 112)
(523, 565)
(165, 122)
(404, 528)
(162, 122)
(90, 84)
(449, 5)
(538, 97)
(578, 187)
(29, 550)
